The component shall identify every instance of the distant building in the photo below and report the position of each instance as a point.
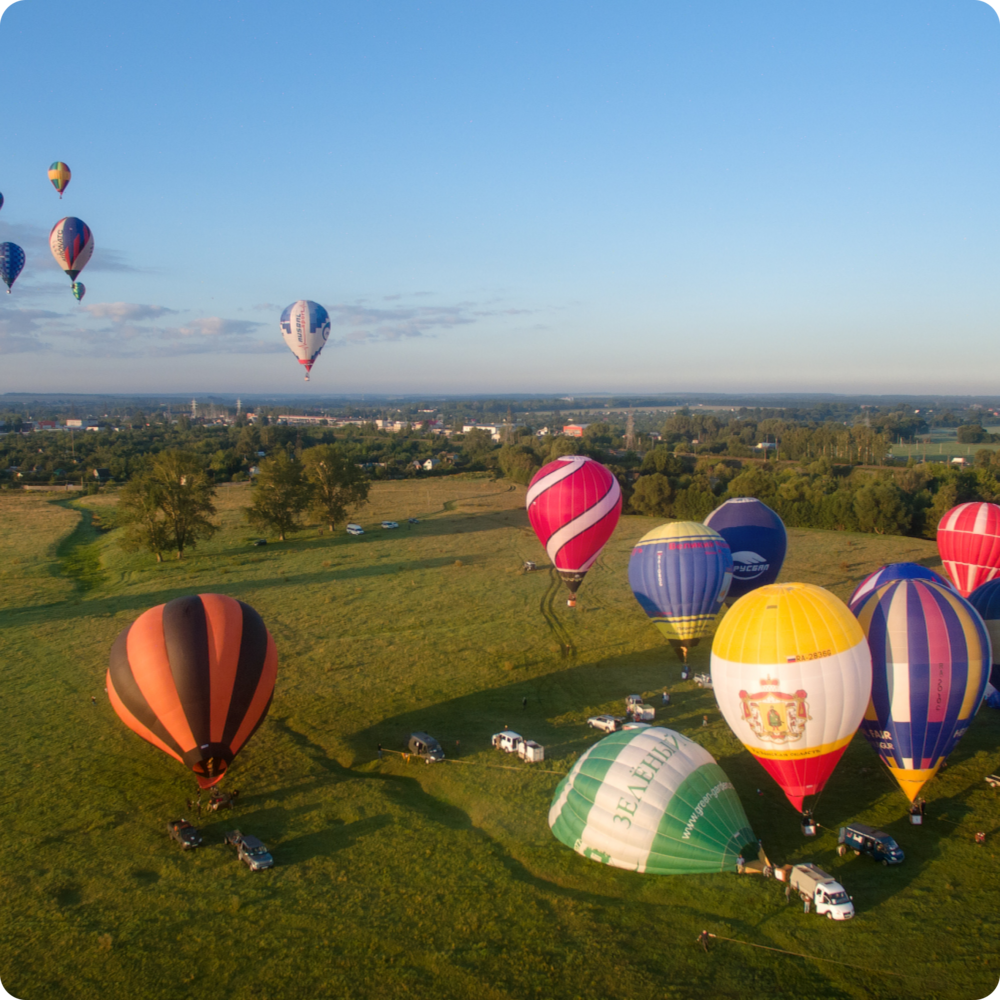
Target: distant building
(101, 474)
(766, 446)
(575, 430)
(77, 422)
(958, 460)
(431, 464)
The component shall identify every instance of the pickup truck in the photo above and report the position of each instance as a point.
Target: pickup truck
(249, 850)
(827, 894)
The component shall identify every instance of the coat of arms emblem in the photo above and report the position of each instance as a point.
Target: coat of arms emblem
(773, 715)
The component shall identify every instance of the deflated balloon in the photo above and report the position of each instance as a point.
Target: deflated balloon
(305, 325)
(59, 174)
(968, 538)
(72, 245)
(573, 505)
(651, 800)
(792, 675)
(79, 290)
(930, 663)
(195, 678)
(680, 574)
(986, 600)
(894, 571)
(756, 537)
(11, 263)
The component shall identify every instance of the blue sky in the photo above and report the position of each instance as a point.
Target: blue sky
(556, 196)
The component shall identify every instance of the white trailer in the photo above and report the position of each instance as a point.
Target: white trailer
(826, 893)
(639, 711)
(511, 742)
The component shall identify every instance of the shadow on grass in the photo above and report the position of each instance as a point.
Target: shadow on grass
(77, 554)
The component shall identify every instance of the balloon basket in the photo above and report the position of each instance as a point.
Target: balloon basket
(809, 827)
(916, 819)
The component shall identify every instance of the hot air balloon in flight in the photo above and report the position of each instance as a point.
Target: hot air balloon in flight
(11, 263)
(930, 664)
(968, 538)
(195, 677)
(79, 290)
(651, 800)
(986, 600)
(72, 245)
(573, 505)
(680, 574)
(792, 675)
(757, 539)
(1, 201)
(894, 571)
(305, 326)
(59, 174)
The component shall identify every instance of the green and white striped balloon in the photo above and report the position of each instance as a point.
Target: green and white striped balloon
(651, 800)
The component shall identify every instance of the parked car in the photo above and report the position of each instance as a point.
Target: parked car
(511, 742)
(876, 844)
(257, 542)
(390, 524)
(249, 850)
(413, 520)
(184, 833)
(423, 745)
(606, 723)
(355, 529)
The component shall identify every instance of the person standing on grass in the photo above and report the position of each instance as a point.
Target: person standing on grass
(380, 751)
(666, 697)
(524, 702)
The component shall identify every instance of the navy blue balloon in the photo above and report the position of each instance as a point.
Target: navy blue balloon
(986, 600)
(757, 538)
(11, 263)
(1, 201)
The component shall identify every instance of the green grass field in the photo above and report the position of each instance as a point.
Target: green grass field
(406, 880)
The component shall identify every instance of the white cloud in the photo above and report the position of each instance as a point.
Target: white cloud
(211, 326)
(121, 312)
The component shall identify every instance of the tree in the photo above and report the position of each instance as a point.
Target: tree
(881, 507)
(184, 495)
(519, 462)
(140, 517)
(652, 495)
(280, 495)
(337, 483)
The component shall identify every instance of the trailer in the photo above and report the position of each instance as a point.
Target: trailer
(636, 710)
(827, 895)
(511, 742)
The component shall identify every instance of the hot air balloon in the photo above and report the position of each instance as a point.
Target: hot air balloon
(968, 539)
(651, 800)
(894, 571)
(11, 263)
(573, 505)
(757, 539)
(305, 326)
(72, 245)
(680, 574)
(79, 290)
(194, 677)
(986, 600)
(1, 201)
(792, 675)
(59, 174)
(930, 663)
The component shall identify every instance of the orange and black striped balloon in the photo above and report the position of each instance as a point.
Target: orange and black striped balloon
(195, 678)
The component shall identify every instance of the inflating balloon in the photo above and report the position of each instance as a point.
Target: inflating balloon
(79, 290)
(305, 326)
(757, 539)
(894, 571)
(72, 245)
(930, 662)
(792, 675)
(573, 505)
(11, 263)
(986, 601)
(195, 677)
(968, 538)
(651, 800)
(680, 574)
(59, 174)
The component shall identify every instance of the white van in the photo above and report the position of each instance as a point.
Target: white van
(355, 529)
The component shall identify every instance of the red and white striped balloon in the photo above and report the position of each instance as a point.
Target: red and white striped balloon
(574, 504)
(968, 539)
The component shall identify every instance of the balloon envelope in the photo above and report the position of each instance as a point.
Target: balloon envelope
(305, 325)
(968, 538)
(573, 505)
(195, 677)
(894, 571)
(986, 601)
(756, 537)
(79, 290)
(930, 662)
(72, 245)
(59, 174)
(11, 263)
(792, 675)
(680, 574)
(651, 800)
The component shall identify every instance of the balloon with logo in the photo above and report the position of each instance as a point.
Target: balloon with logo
(573, 505)
(792, 675)
(986, 601)
(79, 290)
(894, 571)
(680, 574)
(968, 538)
(651, 800)
(930, 664)
(72, 245)
(59, 174)
(757, 539)
(11, 263)
(1, 201)
(305, 326)
(195, 678)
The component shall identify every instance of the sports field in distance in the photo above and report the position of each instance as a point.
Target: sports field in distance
(397, 879)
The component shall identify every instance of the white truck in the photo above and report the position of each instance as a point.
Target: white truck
(826, 893)
(636, 710)
(511, 742)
